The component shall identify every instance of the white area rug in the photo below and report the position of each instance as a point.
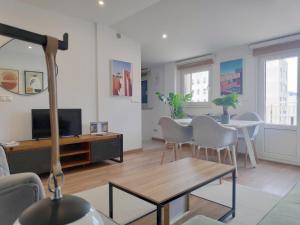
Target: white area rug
(251, 205)
(126, 207)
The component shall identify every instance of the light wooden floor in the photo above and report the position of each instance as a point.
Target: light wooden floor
(270, 177)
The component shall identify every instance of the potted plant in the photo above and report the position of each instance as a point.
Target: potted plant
(175, 102)
(230, 100)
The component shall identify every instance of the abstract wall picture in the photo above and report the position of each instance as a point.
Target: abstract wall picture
(121, 78)
(9, 80)
(34, 82)
(231, 79)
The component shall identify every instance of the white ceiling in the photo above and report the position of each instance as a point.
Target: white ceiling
(113, 11)
(194, 27)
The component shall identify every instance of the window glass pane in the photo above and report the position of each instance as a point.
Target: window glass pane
(187, 84)
(199, 86)
(281, 91)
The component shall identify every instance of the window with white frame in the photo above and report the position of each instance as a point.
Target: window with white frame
(196, 81)
(281, 90)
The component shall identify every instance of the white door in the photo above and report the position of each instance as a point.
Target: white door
(278, 105)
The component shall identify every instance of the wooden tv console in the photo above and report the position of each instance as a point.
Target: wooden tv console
(34, 155)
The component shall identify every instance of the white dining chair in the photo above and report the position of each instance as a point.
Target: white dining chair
(174, 133)
(253, 132)
(209, 134)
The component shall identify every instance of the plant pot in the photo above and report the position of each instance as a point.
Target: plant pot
(225, 118)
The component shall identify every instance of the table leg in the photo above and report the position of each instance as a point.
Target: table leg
(233, 150)
(233, 192)
(249, 146)
(111, 202)
(158, 215)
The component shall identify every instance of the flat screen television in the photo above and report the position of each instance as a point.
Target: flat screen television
(69, 123)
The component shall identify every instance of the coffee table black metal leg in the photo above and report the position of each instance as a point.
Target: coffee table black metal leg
(158, 215)
(233, 192)
(111, 202)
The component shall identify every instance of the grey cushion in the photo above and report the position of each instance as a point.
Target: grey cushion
(4, 169)
(17, 192)
(202, 220)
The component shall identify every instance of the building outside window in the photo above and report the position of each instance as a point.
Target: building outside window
(281, 91)
(196, 81)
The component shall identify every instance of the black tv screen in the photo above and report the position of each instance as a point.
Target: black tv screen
(69, 123)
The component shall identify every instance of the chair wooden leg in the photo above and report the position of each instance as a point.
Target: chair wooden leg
(179, 151)
(193, 150)
(198, 151)
(229, 156)
(175, 152)
(246, 158)
(162, 157)
(219, 161)
(255, 152)
(219, 156)
(206, 154)
(225, 156)
(163, 153)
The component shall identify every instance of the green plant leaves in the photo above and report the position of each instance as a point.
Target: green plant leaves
(230, 100)
(175, 102)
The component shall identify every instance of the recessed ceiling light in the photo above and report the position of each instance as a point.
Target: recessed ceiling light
(101, 3)
(29, 47)
(164, 36)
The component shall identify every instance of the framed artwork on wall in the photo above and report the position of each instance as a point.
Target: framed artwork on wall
(231, 77)
(34, 82)
(145, 92)
(121, 78)
(9, 79)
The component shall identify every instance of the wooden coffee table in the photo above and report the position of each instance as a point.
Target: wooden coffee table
(161, 185)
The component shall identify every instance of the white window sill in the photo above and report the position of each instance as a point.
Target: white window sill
(198, 105)
(280, 127)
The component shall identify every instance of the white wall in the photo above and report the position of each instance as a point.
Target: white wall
(156, 109)
(171, 78)
(78, 75)
(122, 113)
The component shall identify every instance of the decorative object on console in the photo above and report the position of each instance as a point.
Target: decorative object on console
(9, 80)
(231, 100)
(34, 82)
(10, 144)
(98, 128)
(59, 209)
(175, 102)
(121, 78)
(231, 80)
